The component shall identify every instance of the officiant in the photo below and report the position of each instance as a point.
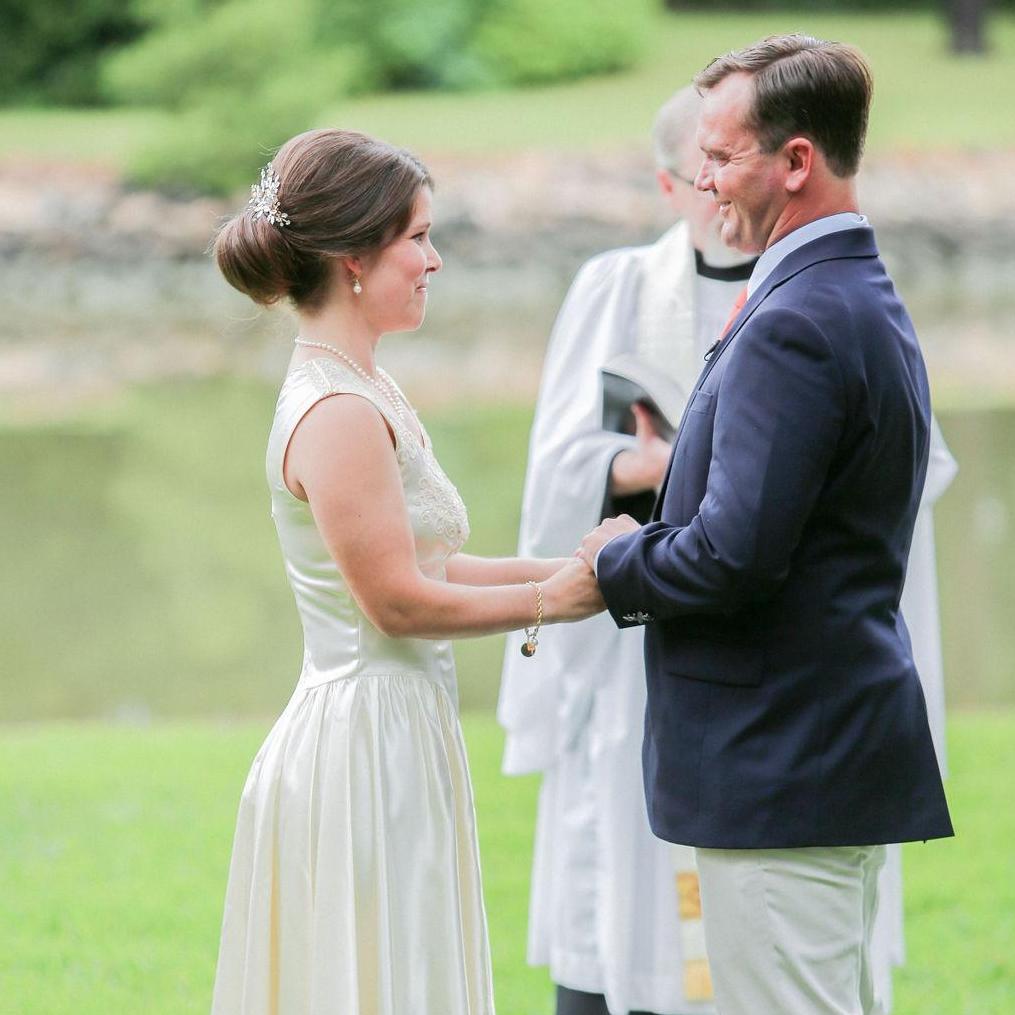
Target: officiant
(614, 911)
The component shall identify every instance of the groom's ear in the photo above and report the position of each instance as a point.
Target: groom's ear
(800, 155)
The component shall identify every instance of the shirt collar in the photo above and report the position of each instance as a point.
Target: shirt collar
(768, 261)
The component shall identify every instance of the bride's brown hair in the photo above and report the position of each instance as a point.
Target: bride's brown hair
(346, 194)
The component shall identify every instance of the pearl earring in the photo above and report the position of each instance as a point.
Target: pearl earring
(356, 287)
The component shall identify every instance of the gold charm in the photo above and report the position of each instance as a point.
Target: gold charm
(532, 633)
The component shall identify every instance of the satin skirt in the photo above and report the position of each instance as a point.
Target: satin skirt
(354, 887)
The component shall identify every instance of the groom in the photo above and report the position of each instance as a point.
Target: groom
(786, 733)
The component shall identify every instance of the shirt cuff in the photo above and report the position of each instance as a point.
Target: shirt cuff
(595, 560)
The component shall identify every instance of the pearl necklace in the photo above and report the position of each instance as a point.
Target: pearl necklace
(391, 394)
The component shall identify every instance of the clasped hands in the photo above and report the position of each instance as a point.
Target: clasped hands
(573, 592)
(592, 543)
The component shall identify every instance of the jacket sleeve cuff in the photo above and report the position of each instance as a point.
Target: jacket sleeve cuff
(620, 601)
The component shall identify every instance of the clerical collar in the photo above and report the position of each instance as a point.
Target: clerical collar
(734, 273)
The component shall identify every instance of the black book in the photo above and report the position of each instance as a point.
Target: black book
(629, 379)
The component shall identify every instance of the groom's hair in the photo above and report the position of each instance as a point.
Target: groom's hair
(803, 87)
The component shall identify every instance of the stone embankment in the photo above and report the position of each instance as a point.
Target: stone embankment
(104, 283)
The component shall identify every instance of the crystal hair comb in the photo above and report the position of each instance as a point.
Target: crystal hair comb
(264, 198)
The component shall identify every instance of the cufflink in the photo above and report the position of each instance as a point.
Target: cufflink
(639, 617)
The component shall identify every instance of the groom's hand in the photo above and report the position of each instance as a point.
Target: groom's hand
(602, 534)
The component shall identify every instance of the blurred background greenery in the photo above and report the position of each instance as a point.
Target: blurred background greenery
(221, 81)
(146, 631)
(235, 71)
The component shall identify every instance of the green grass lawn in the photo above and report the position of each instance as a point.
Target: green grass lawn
(107, 137)
(925, 98)
(114, 845)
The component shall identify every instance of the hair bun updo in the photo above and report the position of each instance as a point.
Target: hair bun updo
(345, 195)
(254, 257)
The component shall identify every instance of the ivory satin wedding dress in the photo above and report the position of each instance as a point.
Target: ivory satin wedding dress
(354, 887)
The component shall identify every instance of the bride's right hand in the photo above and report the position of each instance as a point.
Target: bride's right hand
(572, 593)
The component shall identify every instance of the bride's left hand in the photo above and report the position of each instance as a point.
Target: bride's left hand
(571, 594)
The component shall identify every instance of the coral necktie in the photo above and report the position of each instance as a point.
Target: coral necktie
(737, 307)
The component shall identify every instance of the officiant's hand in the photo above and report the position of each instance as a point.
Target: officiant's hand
(572, 593)
(642, 467)
(602, 534)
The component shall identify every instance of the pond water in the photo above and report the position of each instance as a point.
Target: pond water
(141, 575)
(976, 558)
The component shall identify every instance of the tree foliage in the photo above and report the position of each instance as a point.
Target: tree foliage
(50, 49)
(530, 41)
(243, 75)
(235, 46)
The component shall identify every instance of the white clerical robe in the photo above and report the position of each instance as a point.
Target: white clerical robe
(920, 610)
(604, 905)
(605, 910)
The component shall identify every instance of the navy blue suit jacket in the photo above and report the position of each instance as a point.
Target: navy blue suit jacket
(784, 708)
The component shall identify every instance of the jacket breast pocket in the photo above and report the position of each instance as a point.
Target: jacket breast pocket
(703, 402)
(693, 449)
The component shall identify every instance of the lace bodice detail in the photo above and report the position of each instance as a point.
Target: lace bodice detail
(432, 498)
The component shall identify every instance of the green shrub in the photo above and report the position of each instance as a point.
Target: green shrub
(243, 75)
(209, 150)
(200, 45)
(528, 41)
(168, 12)
(217, 145)
(404, 43)
(51, 51)
(234, 46)
(470, 43)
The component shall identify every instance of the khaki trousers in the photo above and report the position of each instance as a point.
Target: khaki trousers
(788, 930)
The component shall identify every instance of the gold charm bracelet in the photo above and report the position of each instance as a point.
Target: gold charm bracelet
(532, 633)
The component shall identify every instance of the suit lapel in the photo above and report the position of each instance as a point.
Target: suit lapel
(844, 243)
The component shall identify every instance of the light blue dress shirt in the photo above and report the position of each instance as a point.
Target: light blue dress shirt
(792, 241)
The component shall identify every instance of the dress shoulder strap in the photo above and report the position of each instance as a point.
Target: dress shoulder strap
(302, 389)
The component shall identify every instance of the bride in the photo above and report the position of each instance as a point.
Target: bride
(354, 887)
